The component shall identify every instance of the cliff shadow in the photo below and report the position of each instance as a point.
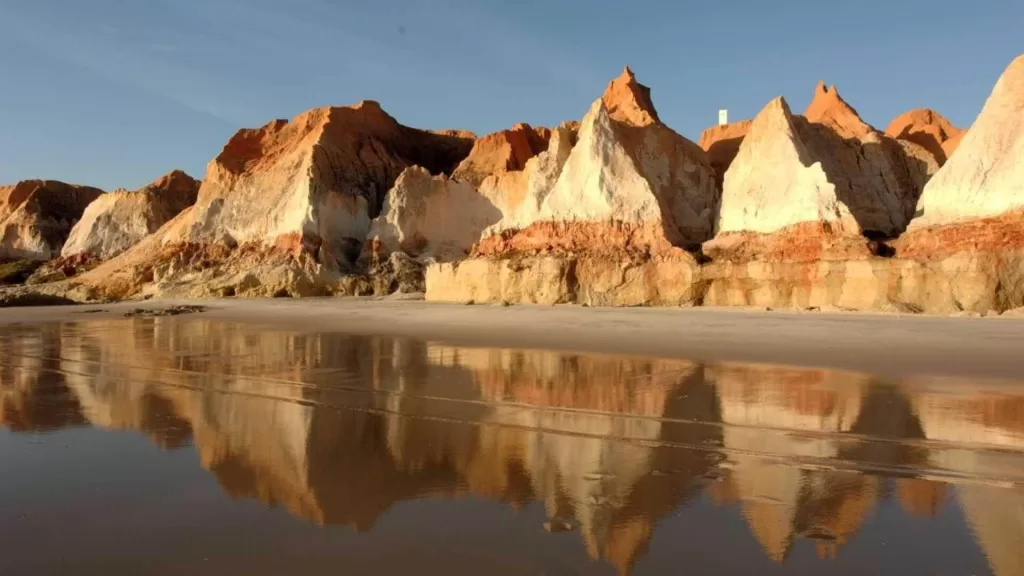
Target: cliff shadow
(687, 215)
(877, 181)
(721, 154)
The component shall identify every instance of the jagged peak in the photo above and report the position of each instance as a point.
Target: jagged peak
(776, 111)
(828, 107)
(629, 101)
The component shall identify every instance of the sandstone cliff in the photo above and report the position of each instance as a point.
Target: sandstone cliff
(36, 217)
(630, 195)
(284, 208)
(971, 214)
(809, 227)
(804, 188)
(985, 178)
(502, 152)
(777, 196)
(436, 217)
(117, 221)
(873, 174)
(722, 143)
(926, 128)
(627, 174)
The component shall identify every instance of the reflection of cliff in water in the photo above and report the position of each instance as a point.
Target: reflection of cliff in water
(793, 413)
(337, 429)
(993, 423)
(33, 393)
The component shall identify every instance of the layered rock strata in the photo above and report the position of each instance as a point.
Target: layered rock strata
(817, 180)
(612, 228)
(284, 209)
(961, 252)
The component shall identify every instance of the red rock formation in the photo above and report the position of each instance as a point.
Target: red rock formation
(828, 108)
(501, 152)
(36, 217)
(628, 101)
(880, 179)
(950, 146)
(927, 128)
(642, 221)
(810, 188)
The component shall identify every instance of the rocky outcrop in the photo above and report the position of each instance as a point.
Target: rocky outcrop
(778, 202)
(284, 209)
(808, 228)
(502, 152)
(808, 188)
(985, 178)
(873, 174)
(117, 221)
(630, 196)
(926, 128)
(971, 214)
(722, 143)
(629, 173)
(36, 217)
(430, 217)
(439, 218)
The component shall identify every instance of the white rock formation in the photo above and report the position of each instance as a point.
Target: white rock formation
(284, 209)
(117, 221)
(520, 195)
(985, 177)
(628, 167)
(431, 217)
(500, 184)
(774, 182)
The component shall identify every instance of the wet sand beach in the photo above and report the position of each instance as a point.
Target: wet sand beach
(884, 343)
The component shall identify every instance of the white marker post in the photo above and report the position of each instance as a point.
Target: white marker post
(723, 117)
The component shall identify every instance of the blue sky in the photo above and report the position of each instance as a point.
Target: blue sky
(114, 93)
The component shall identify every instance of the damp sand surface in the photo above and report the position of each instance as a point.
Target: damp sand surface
(396, 437)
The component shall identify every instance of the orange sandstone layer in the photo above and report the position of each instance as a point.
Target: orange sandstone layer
(609, 239)
(1000, 234)
(803, 242)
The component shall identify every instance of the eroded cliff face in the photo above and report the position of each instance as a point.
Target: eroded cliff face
(807, 205)
(812, 187)
(610, 229)
(983, 180)
(616, 210)
(722, 143)
(441, 218)
(36, 217)
(789, 242)
(283, 210)
(117, 221)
